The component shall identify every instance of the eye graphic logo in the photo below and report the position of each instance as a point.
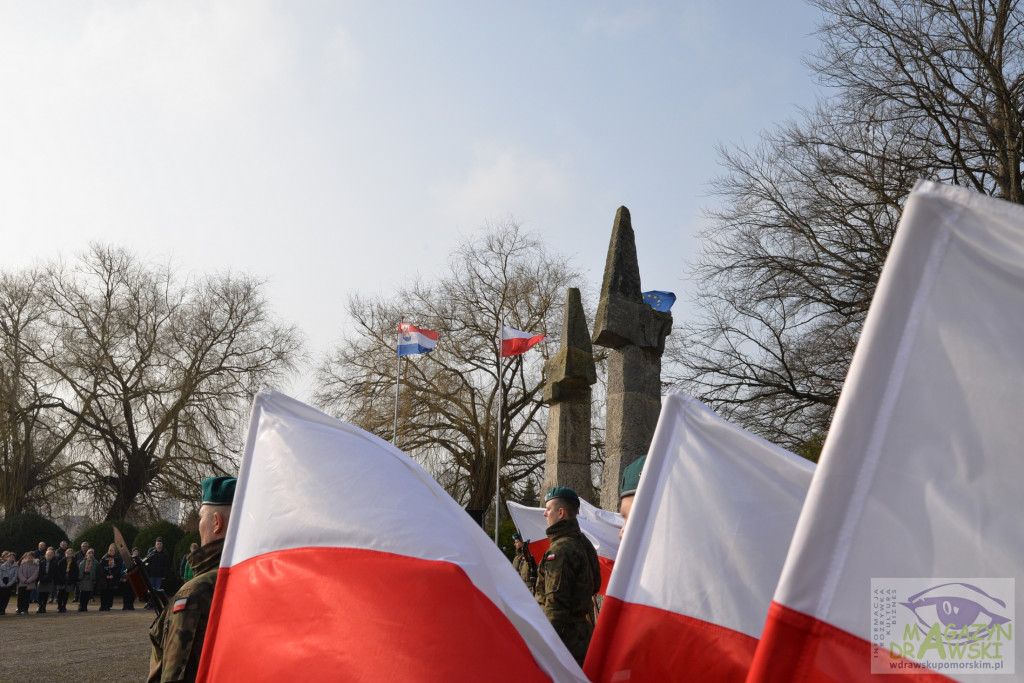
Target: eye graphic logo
(963, 610)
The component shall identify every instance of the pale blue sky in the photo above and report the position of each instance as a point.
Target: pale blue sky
(340, 146)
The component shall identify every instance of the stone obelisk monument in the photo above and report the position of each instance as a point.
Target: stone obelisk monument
(635, 334)
(569, 376)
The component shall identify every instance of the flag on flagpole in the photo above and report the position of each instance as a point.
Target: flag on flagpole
(386, 577)
(702, 552)
(516, 342)
(912, 527)
(412, 339)
(601, 527)
(659, 300)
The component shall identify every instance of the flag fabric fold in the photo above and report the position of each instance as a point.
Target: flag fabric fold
(920, 477)
(344, 556)
(412, 339)
(516, 342)
(705, 543)
(601, 527)
(659, 300)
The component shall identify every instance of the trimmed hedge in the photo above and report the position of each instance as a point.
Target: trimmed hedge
(22, 533)
(100, 536)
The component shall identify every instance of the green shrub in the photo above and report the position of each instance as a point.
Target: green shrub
(505, 531)
(171, 533)
(22, 533)
(100, 536)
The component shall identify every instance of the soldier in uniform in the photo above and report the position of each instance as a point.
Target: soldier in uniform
(523, 564)
(178, 633)
(630, 482)
(569, 575)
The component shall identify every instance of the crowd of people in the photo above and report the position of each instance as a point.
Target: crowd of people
(54, 575)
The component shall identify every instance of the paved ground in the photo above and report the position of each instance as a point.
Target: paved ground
(111, 645)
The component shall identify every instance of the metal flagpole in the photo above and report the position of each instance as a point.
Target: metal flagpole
(398, 383)
(497, 469)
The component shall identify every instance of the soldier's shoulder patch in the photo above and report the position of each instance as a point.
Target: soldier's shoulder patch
(179, 605)
(550, 557)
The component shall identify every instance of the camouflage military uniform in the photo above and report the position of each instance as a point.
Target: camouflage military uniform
(523, 567)
(178, 632)
(567, 579)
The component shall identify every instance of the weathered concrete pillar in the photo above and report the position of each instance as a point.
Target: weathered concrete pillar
(635, 333)
(569, 376)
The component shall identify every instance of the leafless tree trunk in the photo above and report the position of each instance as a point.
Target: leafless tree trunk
(160, 374)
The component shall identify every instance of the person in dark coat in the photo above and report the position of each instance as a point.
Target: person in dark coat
(158, 564)
(47, 579)
(110, 577)
(88, 570)
(67, 578)
(79, 556)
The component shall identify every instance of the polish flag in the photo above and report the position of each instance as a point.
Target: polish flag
(601, 527)
(704, 545)
(344, 557)
(920, 477)
(412, 339)
(516, 342)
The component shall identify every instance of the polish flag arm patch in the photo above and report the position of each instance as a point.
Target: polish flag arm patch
(179, 605)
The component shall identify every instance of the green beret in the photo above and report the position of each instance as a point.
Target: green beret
(563, 492)
(219, 490)
(516, 537)
(631, 477)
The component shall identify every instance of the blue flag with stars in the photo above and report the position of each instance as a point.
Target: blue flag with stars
(659, 301)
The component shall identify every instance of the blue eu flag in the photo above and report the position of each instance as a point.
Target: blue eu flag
(659, 301)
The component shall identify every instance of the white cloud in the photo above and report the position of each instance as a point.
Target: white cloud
(501, 182)
(342, 58)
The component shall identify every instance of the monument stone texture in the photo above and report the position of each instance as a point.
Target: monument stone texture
(569, 376)
(635, 335)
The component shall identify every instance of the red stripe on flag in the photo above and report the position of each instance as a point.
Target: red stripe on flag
(357, 614)
(606, 572)
(796, 647)
(640, 643)
(516, 345)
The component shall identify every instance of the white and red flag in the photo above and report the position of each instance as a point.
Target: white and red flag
(516, 342)
(601, 527)
(344, 558)
(704, 545)
(917, 504)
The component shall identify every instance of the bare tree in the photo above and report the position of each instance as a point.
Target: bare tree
(919, 89)
(449, 398)
(34, 468)
(788, 269)
(951, 73)
(160, 373)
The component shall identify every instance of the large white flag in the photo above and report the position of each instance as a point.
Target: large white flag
(912, 531)
(601, 527)
(705, 542)
(345, 560)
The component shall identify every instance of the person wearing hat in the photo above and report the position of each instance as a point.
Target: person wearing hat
(630, 482)
(569, 575)
(178, 634)
(524, 562)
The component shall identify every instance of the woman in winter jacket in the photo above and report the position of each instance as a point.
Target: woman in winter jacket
(110, 577)
(8, 578)
(88, 570)
(47, 578)
(28, 574)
